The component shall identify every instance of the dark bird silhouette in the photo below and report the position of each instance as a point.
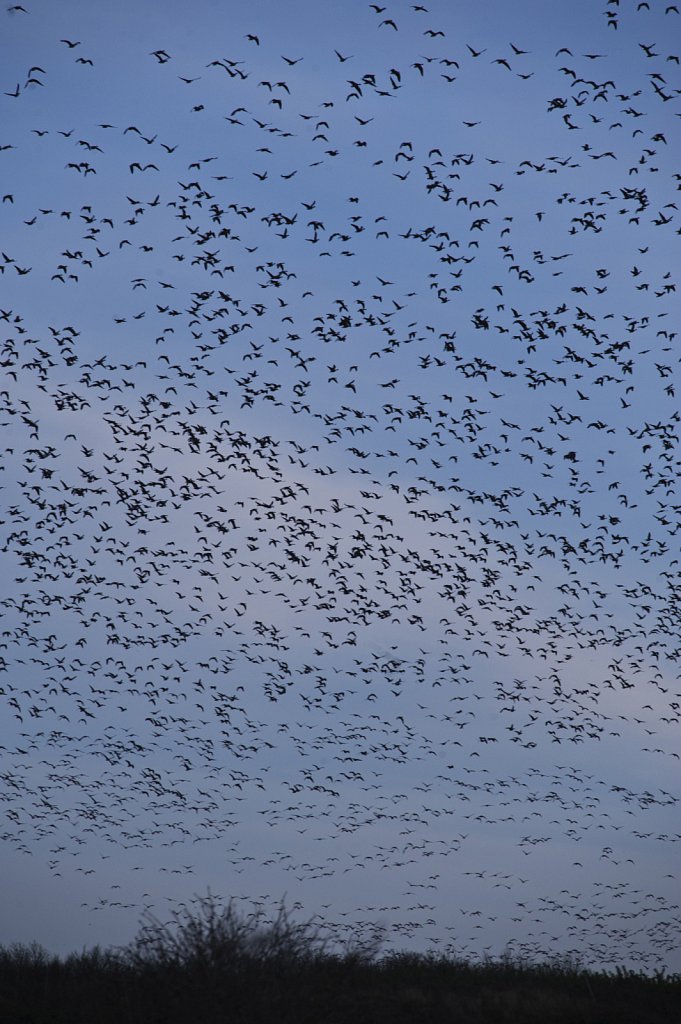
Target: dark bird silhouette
(324, 493)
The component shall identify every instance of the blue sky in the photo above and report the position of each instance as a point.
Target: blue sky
(339, 470)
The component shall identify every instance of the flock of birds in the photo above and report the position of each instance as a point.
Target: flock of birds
(339, 467)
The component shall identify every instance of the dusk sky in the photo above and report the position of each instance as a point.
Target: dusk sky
(339, 519)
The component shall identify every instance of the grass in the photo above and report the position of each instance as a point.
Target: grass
(210, 964)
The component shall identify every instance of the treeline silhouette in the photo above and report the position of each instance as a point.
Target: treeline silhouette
(212, 963)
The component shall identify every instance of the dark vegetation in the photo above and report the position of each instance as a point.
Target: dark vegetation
(213, 965)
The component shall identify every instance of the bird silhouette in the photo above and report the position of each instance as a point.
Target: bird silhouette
(340, 482)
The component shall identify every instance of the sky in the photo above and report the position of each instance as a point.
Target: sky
(339, 519)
